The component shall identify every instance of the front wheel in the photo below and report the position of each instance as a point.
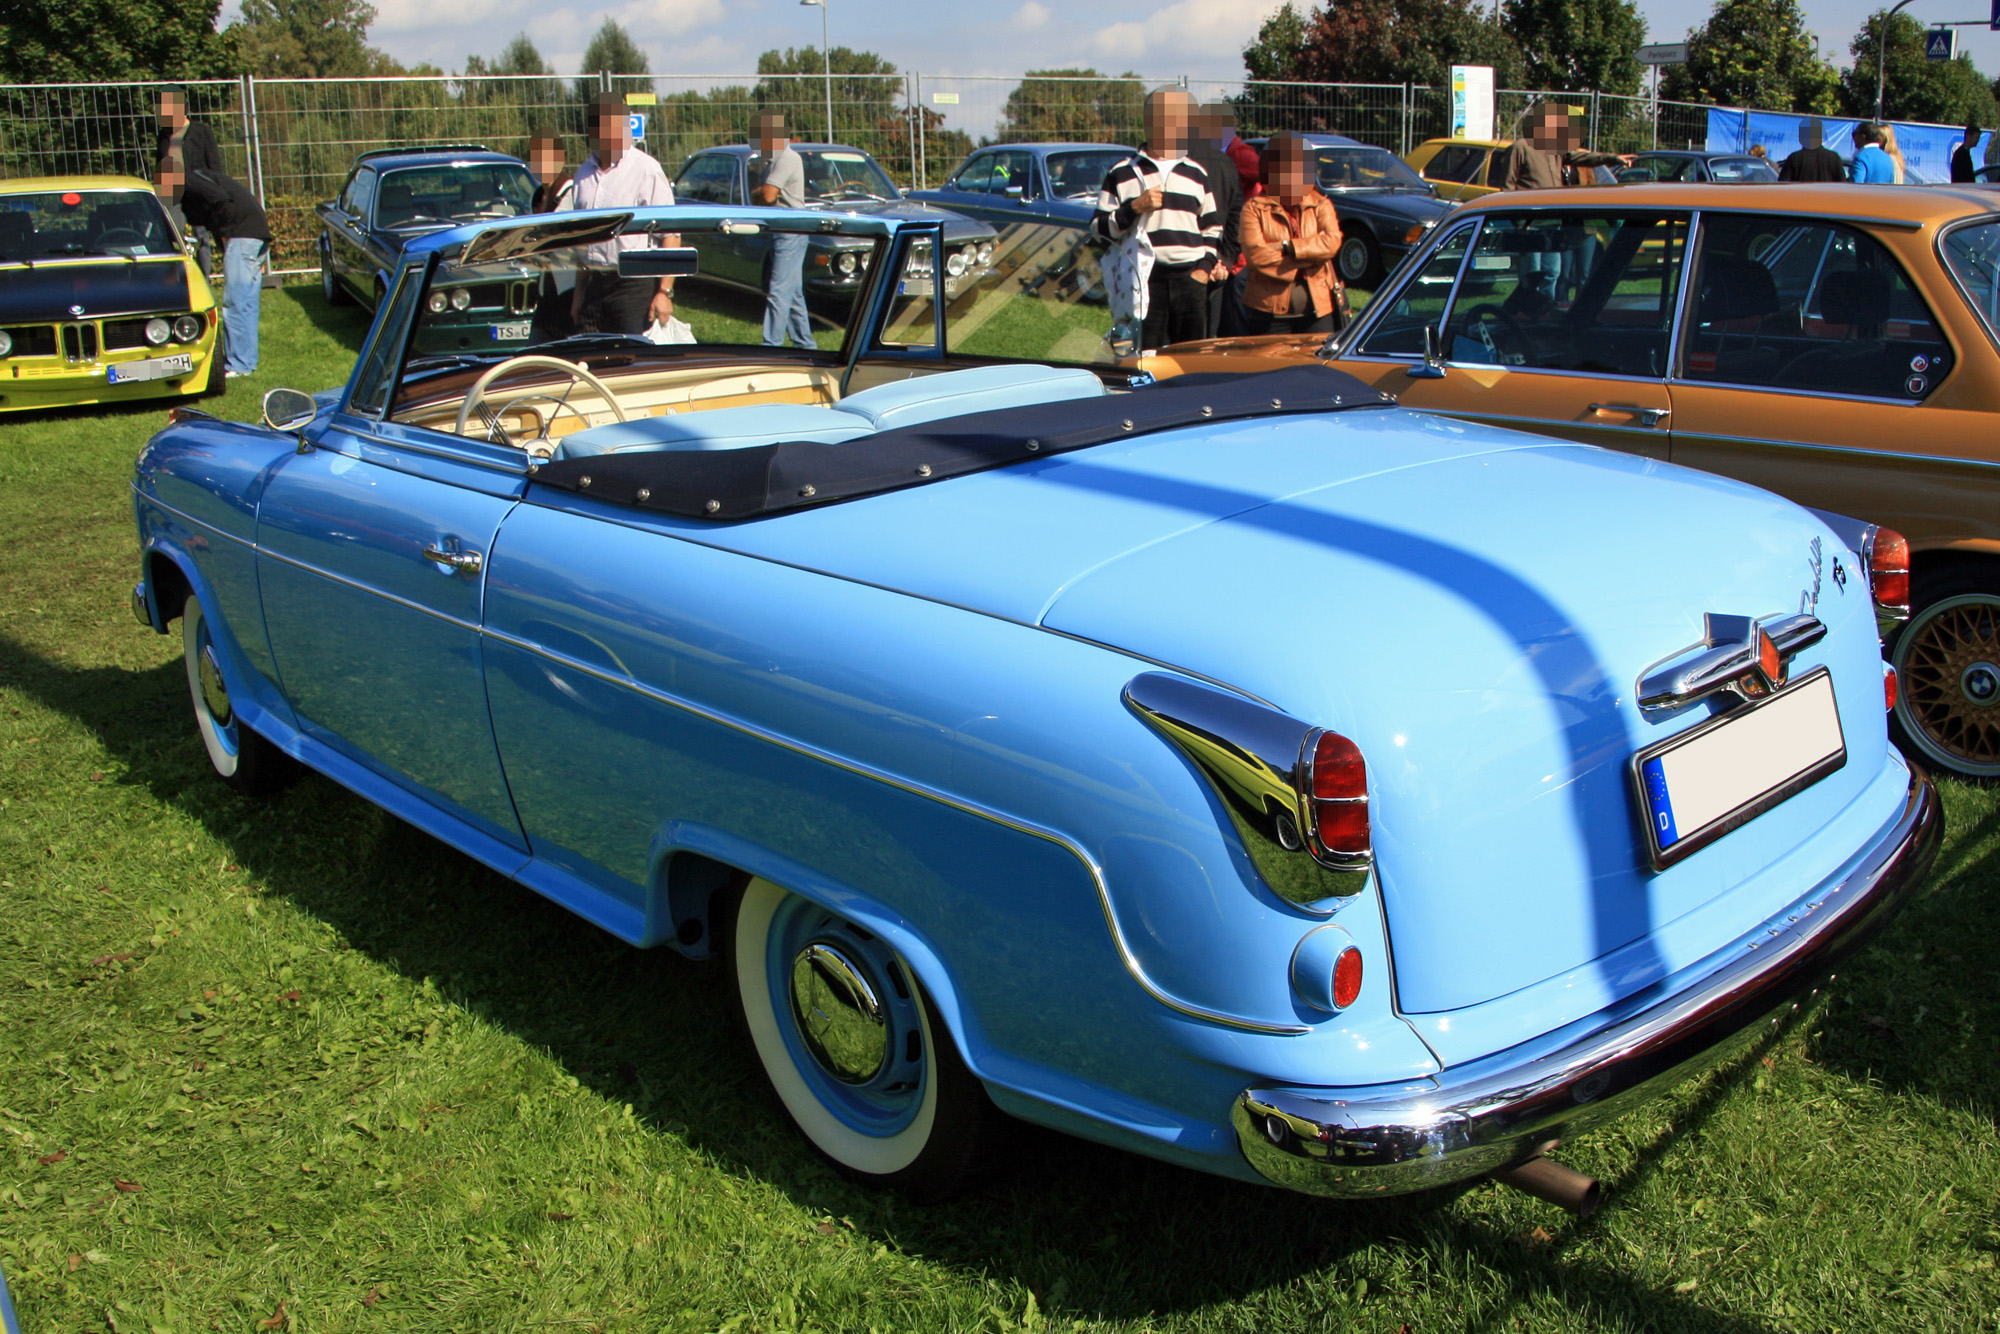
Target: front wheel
(1947, 662)
(240, 757)
(864, 1069)
(1359, 260)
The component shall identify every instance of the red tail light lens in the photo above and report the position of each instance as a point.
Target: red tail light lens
(1889, 571)
(1339, 793)
(1888, 686)
(1347, 977)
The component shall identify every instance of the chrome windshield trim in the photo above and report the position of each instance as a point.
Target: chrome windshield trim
(1130, 960)
(430, 451)
(1990, 327)
(1684, 300)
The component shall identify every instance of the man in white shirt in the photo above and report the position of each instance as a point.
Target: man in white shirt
(618, 174)
(784, 186)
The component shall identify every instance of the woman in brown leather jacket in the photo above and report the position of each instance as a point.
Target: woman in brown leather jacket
(1290, 235)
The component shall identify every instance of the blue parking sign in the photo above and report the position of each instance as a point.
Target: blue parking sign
(636, 121)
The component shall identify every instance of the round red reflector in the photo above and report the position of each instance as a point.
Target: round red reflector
(1347, 977)
(72, 197)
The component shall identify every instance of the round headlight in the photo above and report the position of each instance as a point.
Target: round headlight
(461, 299)
(957, 262)
(187, 328)
(157, 330)
(985, 252)
(847, 263)
(436, 302)
(6, 343)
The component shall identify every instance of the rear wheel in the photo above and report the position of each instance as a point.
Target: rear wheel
(240, 757)
(849, 1042)
(1947, 662)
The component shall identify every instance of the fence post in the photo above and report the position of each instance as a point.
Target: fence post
(923, 153)
(1408, 105)
(603, 84)
(253, 137)
(1595, 114)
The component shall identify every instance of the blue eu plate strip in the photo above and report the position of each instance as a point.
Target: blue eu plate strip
(1659, 806)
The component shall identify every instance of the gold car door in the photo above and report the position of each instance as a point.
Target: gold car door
(1542, 320)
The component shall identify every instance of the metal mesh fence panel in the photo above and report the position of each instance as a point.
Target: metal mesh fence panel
(109, 129)
(960, 112)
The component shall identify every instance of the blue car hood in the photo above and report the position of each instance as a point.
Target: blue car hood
(1473, 606)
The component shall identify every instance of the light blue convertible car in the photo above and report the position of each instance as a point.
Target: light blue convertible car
(1241, 770)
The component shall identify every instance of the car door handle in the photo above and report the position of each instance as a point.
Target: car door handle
(466, 561)
(1646, 416)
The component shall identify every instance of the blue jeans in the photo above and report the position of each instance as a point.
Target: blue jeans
(242, 290)
(785, 303)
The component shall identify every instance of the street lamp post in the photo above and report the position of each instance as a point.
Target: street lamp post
(1881, 53)
(826, 62)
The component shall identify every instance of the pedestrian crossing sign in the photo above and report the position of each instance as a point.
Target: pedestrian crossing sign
(1941, 43)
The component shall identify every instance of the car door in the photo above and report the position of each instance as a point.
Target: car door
(370, 549)
(1541, 319)
(969, 191)
(1813, 366)
(350, 257)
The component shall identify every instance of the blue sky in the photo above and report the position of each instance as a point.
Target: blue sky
(1199, 38)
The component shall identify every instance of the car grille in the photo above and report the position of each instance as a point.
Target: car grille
(517, 298)
(79, 342)
(33, 340)
(125, 333)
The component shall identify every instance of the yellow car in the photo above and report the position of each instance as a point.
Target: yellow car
(99, 299)
(1461, 169)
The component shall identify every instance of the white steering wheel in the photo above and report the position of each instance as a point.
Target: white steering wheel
(576, 370)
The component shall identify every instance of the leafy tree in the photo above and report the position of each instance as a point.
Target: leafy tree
(612, 51)
(308, 39)
(75, 41)
(1280, 39)
(1578, 44)
(520, 57)
(1052, 105)
(793, 82)
(1944, 92)
(1753, 53)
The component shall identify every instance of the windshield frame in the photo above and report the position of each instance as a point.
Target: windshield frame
(177, 238)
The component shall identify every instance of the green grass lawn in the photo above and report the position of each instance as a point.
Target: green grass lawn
(295, 1066)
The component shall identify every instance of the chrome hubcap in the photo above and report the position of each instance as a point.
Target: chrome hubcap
(838, 1013)
(1980, 682)
(214, 694)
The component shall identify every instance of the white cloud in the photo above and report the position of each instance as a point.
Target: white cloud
(1189, 28)
(1031, 16)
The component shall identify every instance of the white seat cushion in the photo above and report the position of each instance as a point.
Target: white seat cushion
(928, 398)
(718, 428)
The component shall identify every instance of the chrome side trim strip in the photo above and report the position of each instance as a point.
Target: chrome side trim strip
(432, 451)
(1894, 456)
(1061, 840)
(360, 587)
(183, 515)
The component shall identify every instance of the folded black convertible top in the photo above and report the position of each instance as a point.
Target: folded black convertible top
(734, 484)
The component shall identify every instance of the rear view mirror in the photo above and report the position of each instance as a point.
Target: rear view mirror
(288, 409)
(658, 262)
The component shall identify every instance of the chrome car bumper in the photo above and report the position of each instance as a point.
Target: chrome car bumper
(1503, 1109)
(142, 611)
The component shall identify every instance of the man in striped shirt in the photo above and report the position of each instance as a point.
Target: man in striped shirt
(1168, 197)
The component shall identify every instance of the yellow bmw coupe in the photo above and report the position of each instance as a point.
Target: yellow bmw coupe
(99, 300)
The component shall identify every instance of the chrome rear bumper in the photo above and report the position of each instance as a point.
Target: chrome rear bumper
(1498, 1111)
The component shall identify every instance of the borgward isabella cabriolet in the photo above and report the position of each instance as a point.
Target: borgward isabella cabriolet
(1242, 770)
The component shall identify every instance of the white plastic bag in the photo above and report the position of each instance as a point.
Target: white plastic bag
(675, 330)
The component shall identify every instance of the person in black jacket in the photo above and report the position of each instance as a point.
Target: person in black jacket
(199, 152)
(1214, 126)
(1814, 161)
(220, 203)
(1964, 167)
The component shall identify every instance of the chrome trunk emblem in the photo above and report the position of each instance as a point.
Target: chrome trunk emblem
(1749, 658)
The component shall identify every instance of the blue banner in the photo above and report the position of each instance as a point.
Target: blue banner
(1926, 148)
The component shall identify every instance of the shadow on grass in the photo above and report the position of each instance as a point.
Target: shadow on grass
(1093, 1231)
(346, 324)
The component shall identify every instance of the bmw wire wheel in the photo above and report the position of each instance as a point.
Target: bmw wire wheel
(852, 1049)
(1947, 663)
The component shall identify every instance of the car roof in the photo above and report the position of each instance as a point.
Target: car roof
(419, 158)
(1336, 141)
(1862, 203)
(1470, 143)
(21, 185)
(1054, 148)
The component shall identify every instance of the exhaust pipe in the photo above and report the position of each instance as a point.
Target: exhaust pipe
(1547, 1179)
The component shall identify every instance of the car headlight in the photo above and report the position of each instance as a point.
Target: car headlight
(957, 262)
(157, 330)
(6, 343)
(436, 302)
(461, 299)
(187, 328)
(985, 252)
(847, 263)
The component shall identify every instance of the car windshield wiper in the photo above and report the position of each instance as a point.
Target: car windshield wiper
(594, 339)
(437, 359)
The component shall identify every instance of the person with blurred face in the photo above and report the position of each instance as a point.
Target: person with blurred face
(220, 203)
(553, 188)
(783, 186)
(1813, 161)
(1167, 196)
(618, 174)
(1290, 235)
(1872, 164)
(1214, 126)
(1549, 143)
(1964, 159)
(198, 150)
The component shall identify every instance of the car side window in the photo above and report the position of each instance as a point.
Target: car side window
(1013, 171)
(1457, 163)
(361, 195)
(710, 179)
(1496, 167)
(1588, 293)
(376, 374)
(976, 176)
(1813, 306)
(1421, 302)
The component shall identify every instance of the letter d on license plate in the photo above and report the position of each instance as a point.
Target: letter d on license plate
(1696, 787)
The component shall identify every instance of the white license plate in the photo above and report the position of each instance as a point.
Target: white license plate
(510, 333)
(157, 368)
(1696, 787)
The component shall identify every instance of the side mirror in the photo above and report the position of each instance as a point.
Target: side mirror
(288, 409)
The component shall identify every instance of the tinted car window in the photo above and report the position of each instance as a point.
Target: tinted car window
(1420, 304)
(1458, 163)
(360, 194)
(374, 377)
(1814, 306)
(1579, 292)
(430, 196)
(1741, 169)
(976, 176)
(1013, 171)
(82, 223)
(1081, 174)
(708, 179)
(1663, 169)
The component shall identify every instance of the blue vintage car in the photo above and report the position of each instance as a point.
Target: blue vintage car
(1006, 183)
(1244, 771)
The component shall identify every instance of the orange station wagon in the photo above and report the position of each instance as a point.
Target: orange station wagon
(1838, 344)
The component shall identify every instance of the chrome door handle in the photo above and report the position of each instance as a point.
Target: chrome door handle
(466, 561)
(1646, 416)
